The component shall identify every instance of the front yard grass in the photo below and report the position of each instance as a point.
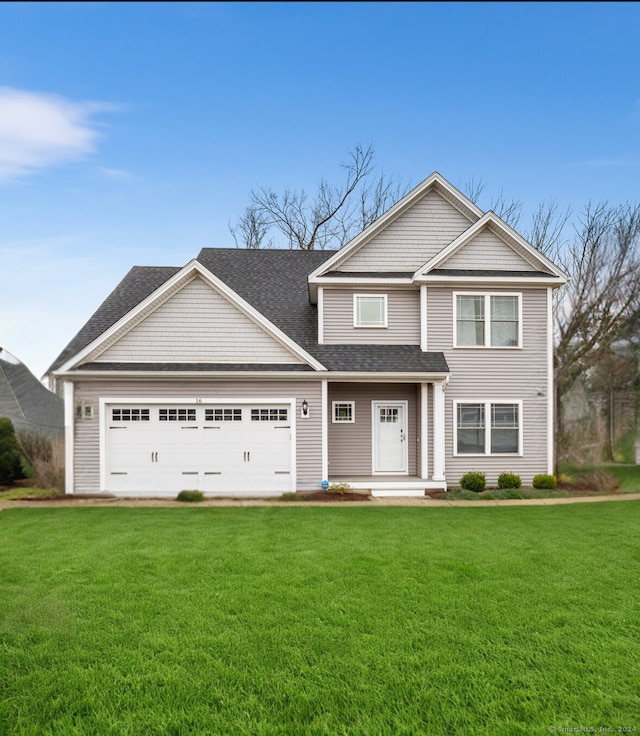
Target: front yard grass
(348, 620)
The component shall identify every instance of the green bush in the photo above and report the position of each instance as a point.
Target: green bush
(473, 481)
(509, 480)
(340, 488)
(10, 455)
(544, 481)
(190, 496)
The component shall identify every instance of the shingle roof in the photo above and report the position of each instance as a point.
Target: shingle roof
(25, 401)
(275, 283)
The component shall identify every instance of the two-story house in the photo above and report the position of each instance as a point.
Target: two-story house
(420, 350)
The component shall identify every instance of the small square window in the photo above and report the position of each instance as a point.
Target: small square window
(344, 412)
(369, 310)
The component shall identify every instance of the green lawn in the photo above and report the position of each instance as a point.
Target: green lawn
(313, 620)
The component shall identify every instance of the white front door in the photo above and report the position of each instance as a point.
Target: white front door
(390, 437)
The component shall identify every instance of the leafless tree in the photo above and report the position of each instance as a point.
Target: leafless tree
(602, 296)
(509, 210)
(251, 230)
(328, 219)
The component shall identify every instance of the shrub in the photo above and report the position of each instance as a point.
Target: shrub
(190, 496)
(10, 455)
(290, 496)
(544, 481)
(45, 456)
(509, 480)
(473, 481)
(339, 488)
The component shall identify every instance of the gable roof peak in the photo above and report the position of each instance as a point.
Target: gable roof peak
(434, 182)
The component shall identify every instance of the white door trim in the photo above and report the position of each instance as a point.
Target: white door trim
(375, 405)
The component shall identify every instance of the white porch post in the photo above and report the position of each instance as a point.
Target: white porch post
(69, 414)
(325, 429)
(438, 430)
(424, 430)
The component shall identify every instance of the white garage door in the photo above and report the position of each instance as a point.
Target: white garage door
(222, 449)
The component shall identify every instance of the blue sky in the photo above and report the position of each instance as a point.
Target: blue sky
(132, 133)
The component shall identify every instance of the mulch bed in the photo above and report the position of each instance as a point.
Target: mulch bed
(333, 497)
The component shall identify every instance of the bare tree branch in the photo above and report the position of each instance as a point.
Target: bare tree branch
(330, 219)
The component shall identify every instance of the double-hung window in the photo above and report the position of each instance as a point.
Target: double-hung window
(369, 310)
(488, 320)
(488, 428)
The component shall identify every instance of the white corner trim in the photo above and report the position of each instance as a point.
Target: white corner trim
(320, 309)
(324, 392)
(438, 433)
(69, 436)
(423, 318)
(195, 267)
(551, 419)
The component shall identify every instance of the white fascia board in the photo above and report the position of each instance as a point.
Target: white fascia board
(407, 201)
(191, 375)
(195, 267)
(490, 218)
(348, 377)
(345, 376)
(482, 282)
(360, 280)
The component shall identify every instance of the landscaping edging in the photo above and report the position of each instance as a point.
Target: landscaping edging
(69, 501)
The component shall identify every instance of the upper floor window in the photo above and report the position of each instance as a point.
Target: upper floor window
(488, 320)
(369, 310)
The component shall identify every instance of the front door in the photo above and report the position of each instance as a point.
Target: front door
(389, 437)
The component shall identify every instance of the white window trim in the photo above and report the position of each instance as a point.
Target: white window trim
(487, 320)
(385, 309)
(334, 404)
(487, 428)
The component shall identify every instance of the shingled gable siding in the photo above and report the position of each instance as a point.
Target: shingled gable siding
(487, 248)
(403, 318)
(483, 374)
(197, 324)
(308, 431)
(412, 239)
(350, 444)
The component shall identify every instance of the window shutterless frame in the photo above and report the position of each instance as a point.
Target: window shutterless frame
(343, 412)
(481, 423)
(486, 315)
(370, 310)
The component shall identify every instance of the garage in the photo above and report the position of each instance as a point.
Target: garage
(217, 448)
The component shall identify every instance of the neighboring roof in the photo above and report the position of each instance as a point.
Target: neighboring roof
(25, 401)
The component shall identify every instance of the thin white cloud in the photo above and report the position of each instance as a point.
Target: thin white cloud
(117, 174)
(38, 131)
(607, 163)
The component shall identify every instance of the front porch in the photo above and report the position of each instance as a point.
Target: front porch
(393, 485)
(386, 437)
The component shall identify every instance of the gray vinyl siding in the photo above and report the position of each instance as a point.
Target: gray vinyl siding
(496, 374)
(308, 431)
(412, 239)
(490, 251)
(403, 318)
(350, 445)
(197, 324)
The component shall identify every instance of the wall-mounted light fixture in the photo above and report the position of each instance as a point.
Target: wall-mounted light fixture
(304, 409)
